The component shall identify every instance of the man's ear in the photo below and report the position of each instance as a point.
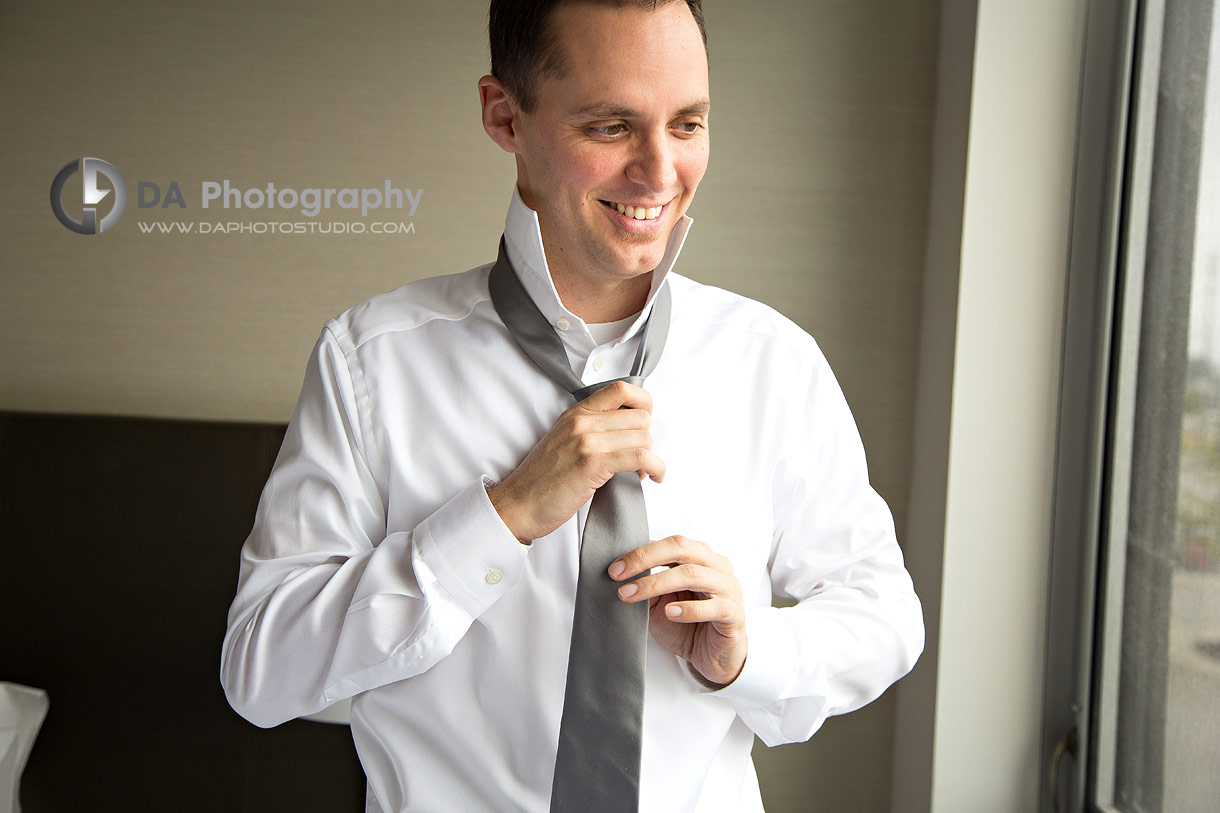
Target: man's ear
(500, 113)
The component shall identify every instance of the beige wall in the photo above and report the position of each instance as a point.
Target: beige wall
(1016, 228)
(984, 459)
(815, 202)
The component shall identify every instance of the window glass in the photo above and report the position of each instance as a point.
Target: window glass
(1167, 755)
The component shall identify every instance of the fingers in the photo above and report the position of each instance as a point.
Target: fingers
(691, 567)
(618, 395)
(582, 421)
(669, 552)
(603, 443)
(692, 578)
(701, 610)
(628, 455)
(697, 610)
(697, 579)
(605, 434)
(648, 465)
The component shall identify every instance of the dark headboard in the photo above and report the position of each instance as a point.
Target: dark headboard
(120, 542)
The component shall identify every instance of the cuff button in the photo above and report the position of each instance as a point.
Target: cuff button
(493, 576)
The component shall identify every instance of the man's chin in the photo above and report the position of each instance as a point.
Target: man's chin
(643, 239)
(636, 264)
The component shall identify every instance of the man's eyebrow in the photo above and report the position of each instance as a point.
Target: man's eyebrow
(699, 108)
(611, 110)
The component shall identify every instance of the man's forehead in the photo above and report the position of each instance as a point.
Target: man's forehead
(585, 30)
(607, 49)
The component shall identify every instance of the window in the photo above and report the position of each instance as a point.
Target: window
(1133, 674)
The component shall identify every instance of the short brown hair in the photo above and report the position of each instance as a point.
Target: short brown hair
(523, 46)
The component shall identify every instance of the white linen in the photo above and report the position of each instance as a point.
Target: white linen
(22, 710)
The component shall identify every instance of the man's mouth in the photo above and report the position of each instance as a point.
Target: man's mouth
(637, 212)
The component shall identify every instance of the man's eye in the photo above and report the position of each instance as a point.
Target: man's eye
(689, 127)
(610, 129)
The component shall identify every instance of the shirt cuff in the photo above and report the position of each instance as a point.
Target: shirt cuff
(771, 661)
(470, 550)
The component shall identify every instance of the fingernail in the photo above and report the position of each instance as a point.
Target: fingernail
(673, 610)
(617, 568)
(628, 590)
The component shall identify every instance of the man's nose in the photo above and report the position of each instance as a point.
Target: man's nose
(653, 164)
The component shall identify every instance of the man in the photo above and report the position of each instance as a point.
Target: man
(418, 543)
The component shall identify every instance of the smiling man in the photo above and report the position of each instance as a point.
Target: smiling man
(532, 517)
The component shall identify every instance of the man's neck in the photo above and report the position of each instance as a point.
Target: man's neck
(605, 302)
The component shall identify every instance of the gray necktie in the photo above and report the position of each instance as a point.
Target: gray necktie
(597, 768)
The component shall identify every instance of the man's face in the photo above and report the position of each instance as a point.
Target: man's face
(625, 127)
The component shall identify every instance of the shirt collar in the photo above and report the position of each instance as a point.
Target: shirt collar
(523, 243)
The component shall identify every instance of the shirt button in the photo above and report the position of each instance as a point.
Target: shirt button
(563, 324)
(598, 364)
(493, 576)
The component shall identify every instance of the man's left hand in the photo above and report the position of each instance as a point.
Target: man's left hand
(695, 607)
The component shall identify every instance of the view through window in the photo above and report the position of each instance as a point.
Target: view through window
(1167, 755)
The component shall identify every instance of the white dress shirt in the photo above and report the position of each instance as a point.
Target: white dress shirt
(378, 569)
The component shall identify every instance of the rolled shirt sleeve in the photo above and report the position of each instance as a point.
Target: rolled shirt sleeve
(857, 626)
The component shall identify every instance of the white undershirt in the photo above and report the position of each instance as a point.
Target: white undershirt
(606, 332)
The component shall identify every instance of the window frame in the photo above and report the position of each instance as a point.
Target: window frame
(1096, 453)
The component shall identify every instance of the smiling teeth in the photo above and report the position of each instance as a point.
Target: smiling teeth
(640, 213)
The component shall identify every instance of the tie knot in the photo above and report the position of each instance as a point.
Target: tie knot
(585, 392)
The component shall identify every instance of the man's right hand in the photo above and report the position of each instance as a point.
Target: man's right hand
(604, 434)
